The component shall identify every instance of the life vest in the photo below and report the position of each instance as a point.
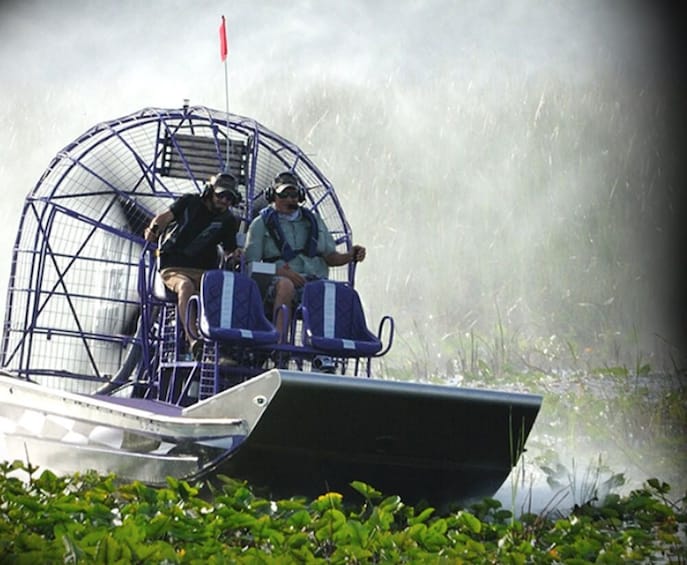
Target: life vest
(271, 218)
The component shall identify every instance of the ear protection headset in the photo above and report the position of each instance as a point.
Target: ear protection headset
(287, 177)
(225, 180)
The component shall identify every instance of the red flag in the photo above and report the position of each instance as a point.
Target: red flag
(223, 40)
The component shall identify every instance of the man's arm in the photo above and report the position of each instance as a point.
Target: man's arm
(230, 229)
(336, 259)
(157, 225)
(230, 248)
(327, 247)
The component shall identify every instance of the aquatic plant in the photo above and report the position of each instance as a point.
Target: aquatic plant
(94, 519)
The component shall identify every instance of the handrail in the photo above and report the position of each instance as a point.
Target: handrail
(145, 294)
(386, 319)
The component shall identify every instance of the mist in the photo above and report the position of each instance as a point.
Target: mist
(512, 167)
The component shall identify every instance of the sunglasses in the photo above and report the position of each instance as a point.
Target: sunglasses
(224, 196)
(288, 194)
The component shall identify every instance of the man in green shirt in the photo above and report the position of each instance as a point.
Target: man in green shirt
(296, 240)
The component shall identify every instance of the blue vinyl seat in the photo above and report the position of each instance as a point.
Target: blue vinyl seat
(230, 310)
(334, 321)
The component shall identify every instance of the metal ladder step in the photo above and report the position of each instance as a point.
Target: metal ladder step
(208, 371)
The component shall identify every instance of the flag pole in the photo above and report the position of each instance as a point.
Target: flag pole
(223, 50)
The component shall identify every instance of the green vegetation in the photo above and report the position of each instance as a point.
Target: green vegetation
(92, 519)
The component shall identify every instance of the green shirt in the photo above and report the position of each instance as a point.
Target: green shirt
(260, 246)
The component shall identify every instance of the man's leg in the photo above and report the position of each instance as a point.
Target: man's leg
(185, 283)
(284, 293)
(185, 289)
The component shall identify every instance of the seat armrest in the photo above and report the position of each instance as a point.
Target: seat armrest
(286, 322)
(387, 321)
(193, 305)
(306, 332)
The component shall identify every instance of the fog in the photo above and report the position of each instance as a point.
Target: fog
(512, 167)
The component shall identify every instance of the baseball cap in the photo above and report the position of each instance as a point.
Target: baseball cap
(226, 182)
(223, 182)
(284, 181)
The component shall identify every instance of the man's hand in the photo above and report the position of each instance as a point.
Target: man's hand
(232, 259)
(358, 253)
(151, 233)
(236, 254)
(296, 278)
(157, 225)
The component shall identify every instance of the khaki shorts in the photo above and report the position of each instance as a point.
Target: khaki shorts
(173, 276)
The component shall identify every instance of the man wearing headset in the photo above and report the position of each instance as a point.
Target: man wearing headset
(296, 240)
(197, 224)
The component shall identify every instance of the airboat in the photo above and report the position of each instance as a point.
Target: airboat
(93, 374)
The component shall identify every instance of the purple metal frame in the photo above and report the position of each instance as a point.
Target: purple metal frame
(73, 311)
(170, 376)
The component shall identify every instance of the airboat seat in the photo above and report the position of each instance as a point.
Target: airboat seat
(230, 310)
(334, 321)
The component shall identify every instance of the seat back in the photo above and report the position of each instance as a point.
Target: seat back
(232, 309)
(336, 320)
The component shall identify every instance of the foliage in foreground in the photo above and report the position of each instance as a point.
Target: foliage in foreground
(93, 519)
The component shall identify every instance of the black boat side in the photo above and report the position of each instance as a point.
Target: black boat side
(431, 443)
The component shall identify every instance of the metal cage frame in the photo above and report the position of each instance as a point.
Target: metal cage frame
(72, 317)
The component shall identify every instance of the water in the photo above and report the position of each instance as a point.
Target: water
(510, 166)
(601, 434)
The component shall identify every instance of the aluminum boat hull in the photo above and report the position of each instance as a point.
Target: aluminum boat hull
(137, 439)
(286, 433)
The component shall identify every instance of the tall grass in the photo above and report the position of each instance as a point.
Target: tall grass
(536, 206)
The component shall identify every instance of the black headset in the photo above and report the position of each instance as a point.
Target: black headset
(287, 177)
(226, 180)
